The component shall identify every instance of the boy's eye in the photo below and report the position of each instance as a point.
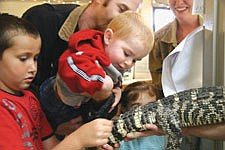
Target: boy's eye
(126, 54)
(122, 8)
(23, 58)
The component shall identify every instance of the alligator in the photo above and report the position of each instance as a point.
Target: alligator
(193, 107)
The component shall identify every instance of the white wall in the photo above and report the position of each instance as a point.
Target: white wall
(16, 7)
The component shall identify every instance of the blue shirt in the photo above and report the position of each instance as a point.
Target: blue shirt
(145, 143)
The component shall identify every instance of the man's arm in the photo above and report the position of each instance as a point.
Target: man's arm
(213, 131)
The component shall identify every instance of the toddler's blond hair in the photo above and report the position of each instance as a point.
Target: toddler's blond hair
(130, 24)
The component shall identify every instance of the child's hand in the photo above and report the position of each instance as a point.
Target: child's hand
(117, 93)
(104, 93)
(94, 133)
(108, 147)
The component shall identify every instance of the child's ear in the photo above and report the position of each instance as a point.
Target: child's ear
(108, 36)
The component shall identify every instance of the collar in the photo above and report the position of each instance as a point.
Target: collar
(71, 22)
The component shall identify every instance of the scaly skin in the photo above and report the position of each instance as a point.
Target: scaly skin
(194, 107)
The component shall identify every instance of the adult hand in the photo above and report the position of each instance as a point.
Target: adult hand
(152, 130)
